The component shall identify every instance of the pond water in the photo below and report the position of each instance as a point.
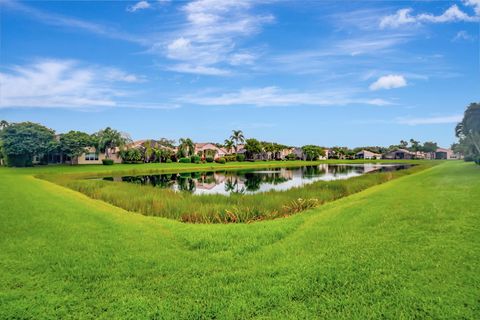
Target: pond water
(249, 181)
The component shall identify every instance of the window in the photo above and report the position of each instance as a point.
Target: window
(91, 156)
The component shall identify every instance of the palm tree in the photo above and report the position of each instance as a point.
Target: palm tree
(109, 138)
(469, 127)
(238, 137)
(270, 149)
(3, 124)
(186, 147)
(229, 144)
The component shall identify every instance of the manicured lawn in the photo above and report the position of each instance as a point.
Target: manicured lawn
(409, 248)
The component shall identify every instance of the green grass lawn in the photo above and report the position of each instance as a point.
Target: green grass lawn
(408, 248)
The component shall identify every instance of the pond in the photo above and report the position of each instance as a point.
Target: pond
(250, 181)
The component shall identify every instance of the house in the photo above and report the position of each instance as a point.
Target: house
(327, 153)
(400, 154)
(278, 155)
(209, 149)
(281, 155)
(240, 149)
(337, 153)
(91, 156)
(300, 155)
(298, 152)
(439, 154)
(142, 144)
(332, 154)
(367, 155)
(94, 157)
(446, 154)
(421, 155)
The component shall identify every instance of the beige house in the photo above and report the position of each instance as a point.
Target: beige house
(446, 154)
(203, 149)
(284, 153)
(367, 155)
(94, 157)
(439, 154)
(400, 154)
(240, 149)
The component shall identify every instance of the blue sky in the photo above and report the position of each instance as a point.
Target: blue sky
(322, 72)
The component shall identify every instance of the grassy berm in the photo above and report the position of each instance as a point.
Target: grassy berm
(408, 248)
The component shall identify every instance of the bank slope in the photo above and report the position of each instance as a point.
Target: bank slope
(408, 248)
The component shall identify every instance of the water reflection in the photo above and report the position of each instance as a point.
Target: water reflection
(247, 181)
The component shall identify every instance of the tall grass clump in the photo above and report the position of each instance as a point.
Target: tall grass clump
(236, 208)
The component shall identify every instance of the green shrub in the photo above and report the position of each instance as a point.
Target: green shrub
(221, 160)
(132, 156)
(185, 160)
(19, 160)
(291, 157)
(195, 159)
(169, 161)
(240, 157)
(230, 158)
(209, 159)
(107, 162)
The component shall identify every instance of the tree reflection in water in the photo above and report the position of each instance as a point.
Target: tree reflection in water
(253, 180)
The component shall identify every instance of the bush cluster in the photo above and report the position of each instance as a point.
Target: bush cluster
(185, 160)
(221, 160)
(291, 157)
(195, 159)
(240, 157)
(230, 158)
(107, 162)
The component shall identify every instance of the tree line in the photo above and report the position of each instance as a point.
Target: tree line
(21, 142)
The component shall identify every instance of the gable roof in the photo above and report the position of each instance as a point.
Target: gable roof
(205, 144)
(402, 150)
(368, 152)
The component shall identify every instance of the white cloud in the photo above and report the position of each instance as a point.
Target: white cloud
(390, 81)
(141, 5)
(198, 69)
(237, 59)
(61, 84)
(475, 4)
(398, 19)
(209, 38)
(275, 97)
(405, 17)
(148, 105)
(369, 45)
(114, 74)
(450, 15)
(179, 49)
(378, 102)
(74, 23)
(431, 120)
(463, 35)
